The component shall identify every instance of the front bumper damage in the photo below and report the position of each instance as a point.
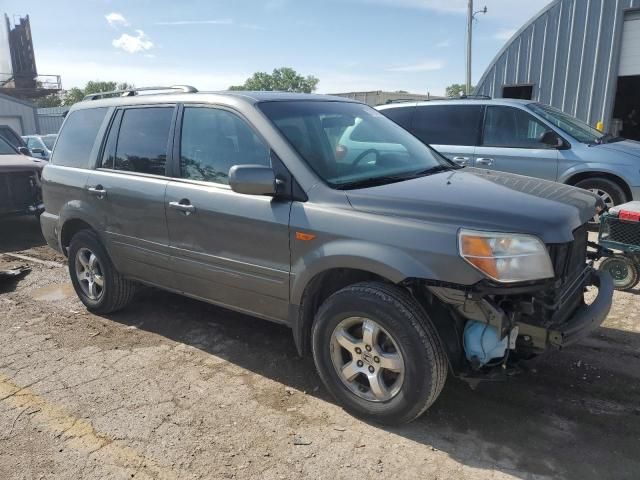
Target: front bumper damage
(544, 316)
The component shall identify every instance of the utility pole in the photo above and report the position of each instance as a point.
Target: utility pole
(471, 15)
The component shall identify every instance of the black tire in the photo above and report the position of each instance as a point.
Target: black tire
(116, 292)
(425, 361)
(623, 270)
(614, 190)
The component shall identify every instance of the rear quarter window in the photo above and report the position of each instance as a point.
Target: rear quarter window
(77, 137)
(448, 124)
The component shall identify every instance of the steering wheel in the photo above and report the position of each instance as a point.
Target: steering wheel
(363, 155)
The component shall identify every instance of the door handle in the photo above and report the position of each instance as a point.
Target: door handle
(98, 191)
(183, 206)
(462, 161)
(488, 162)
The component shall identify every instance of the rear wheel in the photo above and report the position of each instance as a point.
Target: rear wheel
(609, 191)
(96, 281)
(378, 353)
(623, 270)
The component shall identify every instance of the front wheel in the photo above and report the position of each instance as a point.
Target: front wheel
(378, 353)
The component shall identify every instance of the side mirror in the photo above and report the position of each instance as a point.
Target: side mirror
(24, 151)
(552, 139)
(38, 151)
(253, 180)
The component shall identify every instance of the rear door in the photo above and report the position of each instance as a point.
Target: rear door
(228, 248)
(127, 191)
(452, 130)
(511, 143)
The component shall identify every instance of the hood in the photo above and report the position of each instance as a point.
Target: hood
(630, 147)
(484, 200)
(16, 163)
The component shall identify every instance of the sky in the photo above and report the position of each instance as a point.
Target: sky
(350, 45)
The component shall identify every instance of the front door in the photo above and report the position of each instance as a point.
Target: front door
(228, 248)
(128, 189)
(511, 142)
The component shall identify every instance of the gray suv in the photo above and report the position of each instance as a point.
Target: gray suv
(391, 268)
(527, 138)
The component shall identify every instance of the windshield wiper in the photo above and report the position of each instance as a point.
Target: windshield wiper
(376, 181)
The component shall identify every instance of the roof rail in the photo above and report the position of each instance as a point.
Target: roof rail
(129, 92)
(464, 96)
(400, 100)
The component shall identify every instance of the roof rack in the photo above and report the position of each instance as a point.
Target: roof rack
(400, 100)
(129, 92)
(464, 96)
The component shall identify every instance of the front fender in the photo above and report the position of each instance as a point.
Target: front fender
(630, 174)
(383, 260)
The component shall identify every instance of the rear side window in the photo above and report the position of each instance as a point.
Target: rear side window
(401, 115)
(78, 137)
(448, 124)
(143, 140)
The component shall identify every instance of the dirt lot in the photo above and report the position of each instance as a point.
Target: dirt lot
(174, 388)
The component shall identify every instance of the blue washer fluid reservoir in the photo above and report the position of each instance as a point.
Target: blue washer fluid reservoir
(482, 342)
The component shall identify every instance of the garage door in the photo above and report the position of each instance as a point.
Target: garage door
(13, 122)
(630, 52)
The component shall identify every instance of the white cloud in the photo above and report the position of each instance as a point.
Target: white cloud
(221, 21)
(131, 44)
(504, 34)
(116, 19)
(427, 66)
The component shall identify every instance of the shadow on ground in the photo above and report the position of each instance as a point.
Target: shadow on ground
(574, 415)
(20, 233)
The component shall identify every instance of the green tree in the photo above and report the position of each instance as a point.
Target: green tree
(53, 100)
(456, 89)
(75, 94)
(282, 79)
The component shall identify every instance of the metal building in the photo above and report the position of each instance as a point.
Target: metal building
(379, 97)
(50, 119)
(581, 56)
(19, 115)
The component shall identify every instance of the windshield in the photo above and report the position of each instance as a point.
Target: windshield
(49, 140)
(579, 130)
(350, 145)
(5, 148)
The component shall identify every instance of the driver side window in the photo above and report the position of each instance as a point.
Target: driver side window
(512, 128)
(213, 141)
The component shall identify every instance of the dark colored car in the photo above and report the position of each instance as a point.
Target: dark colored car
(392, 265)
(20, 187)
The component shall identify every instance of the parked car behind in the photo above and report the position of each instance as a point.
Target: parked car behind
(40, 146)
(391, 266)
(527, 138)
(12, 137)
(20, 189)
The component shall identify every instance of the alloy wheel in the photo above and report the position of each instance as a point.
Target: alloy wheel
(89, 274)
(367, 359)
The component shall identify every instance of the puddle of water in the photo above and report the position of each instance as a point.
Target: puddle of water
(53, 293)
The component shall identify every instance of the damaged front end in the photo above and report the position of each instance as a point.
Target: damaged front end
(495, 323)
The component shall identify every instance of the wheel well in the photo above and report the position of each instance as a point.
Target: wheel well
(321, 287)
(609, 176)
(69, 229)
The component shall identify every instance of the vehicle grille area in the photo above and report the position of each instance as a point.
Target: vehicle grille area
(18, 191)
(555, 305)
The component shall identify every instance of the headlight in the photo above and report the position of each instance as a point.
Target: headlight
(506, 257)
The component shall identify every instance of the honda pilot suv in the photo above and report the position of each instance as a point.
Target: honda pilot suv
(392, 268)
(527, 138)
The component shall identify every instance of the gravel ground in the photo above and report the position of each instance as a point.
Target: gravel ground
(174, 388)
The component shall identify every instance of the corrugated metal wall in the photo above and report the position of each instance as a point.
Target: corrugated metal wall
(22, 112)
(569, 52)
(50, 119)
